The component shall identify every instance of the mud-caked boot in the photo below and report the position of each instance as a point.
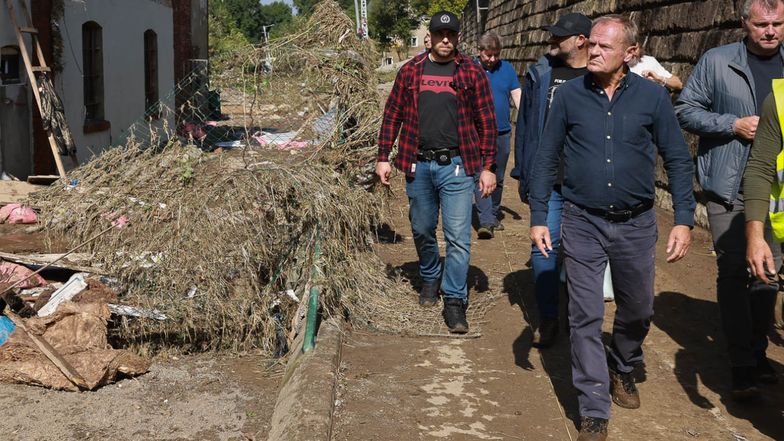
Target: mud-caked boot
(455, 315)
(623, 390)
(428, 295)
(592, 429)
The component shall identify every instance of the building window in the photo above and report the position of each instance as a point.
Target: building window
(151, 73)
(388, 61)
(92, 59)
(9, 65)
(414, 42)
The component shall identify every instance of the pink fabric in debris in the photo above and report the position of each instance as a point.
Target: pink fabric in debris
(11, 273)
(194, 130)
(17, 214)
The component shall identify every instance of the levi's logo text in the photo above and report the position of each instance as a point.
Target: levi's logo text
(436, 84)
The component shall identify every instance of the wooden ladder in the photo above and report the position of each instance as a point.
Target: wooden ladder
(33, 71)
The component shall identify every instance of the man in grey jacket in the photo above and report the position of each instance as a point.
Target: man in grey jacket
(721, 104)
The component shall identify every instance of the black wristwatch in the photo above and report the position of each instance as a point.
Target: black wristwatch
(492, 168)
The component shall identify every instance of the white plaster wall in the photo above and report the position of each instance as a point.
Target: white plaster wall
(123, 24)
(16, 104)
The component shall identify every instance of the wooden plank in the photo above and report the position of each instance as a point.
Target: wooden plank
(16, 191)
(42, 179)
(50, 352)
(43, 259)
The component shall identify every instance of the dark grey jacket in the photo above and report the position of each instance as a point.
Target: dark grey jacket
(719, 91)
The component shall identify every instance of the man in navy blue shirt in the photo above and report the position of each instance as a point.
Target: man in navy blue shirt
(505, 85)
(607, 125)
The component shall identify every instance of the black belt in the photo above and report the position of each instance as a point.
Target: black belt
(620, 215)
(440, 155)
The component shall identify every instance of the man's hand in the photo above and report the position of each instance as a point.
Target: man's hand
(678, 243)
(540, 237)
(758, 254)
(746, 127)
(486, 182)
(384, 170)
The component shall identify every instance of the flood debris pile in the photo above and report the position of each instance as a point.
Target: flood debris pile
(223, 245)
(219, 249)
(317, 85)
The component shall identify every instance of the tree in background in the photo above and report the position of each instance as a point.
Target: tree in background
(276, 14)
(390, 23)
(250, 15)
(224, 35)
(454, 6)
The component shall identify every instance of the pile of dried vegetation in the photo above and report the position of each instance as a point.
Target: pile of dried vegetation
(225, 244)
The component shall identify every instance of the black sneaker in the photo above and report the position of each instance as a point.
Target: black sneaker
(744, 388)
(498, 226)
(454, 315)
(544, 337)
(592, 429)
(428, 296)
(764, 372)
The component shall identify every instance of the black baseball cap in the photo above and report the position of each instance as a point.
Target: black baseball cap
(570, 24)
(444, 20)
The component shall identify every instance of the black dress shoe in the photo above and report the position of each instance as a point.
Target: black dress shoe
(764, 372)
(744, 388)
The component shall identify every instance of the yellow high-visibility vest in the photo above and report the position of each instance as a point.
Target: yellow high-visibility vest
(777, 188)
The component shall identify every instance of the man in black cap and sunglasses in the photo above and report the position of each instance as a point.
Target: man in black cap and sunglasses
(567, 59)
(441, 112)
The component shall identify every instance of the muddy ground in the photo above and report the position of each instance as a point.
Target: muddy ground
(203, 397)
(499, 387)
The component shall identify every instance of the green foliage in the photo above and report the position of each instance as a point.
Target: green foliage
(276, 14)
(249, 16)
(454, 6)
(224, 35)
(391, 21)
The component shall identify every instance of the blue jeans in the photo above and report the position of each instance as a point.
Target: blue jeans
(546, 268)
(446, 188)
(487, 208)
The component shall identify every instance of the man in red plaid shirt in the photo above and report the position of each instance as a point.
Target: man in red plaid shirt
(441, 112)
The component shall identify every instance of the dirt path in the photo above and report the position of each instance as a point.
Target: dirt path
(498, 387)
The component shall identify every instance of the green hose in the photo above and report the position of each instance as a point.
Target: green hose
(313, 300)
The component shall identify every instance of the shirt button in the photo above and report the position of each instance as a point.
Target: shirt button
(609, 113)
(609, 184)
(609, 160)
(608, 136)
(601, 92)
(612, 206)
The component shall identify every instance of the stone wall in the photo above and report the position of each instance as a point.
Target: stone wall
(676, 32)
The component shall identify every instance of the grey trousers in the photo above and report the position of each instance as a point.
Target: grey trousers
(745, 304)
(589, 243)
